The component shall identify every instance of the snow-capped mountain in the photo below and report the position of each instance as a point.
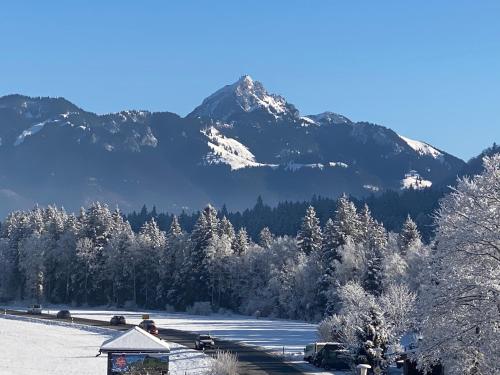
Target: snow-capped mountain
(241, 142)
(243, 98)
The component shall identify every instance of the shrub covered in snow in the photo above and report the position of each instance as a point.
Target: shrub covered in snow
(225, 363)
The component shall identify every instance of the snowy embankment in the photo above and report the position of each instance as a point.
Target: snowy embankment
(43, 347)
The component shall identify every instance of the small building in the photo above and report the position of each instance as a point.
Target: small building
(136, 350)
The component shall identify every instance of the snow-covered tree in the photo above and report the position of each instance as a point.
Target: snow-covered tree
(265, 238)
(226, 229)
(309, 237)
(409, 235)
(86, 253)
(460, 302)
(241, 242)
(151, 244)
(398, 303)
(345, 223)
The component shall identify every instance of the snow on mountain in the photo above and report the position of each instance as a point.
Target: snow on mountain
(330, 118)
(413, 180)
(228, 151)
(422, 148)
(245, 95)
(296, 166)
(29, 132)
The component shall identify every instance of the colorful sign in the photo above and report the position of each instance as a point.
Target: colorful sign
(133, 363)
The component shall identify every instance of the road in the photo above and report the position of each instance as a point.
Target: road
(252, 361)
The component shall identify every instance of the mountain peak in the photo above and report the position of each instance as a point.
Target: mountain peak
(243, 96)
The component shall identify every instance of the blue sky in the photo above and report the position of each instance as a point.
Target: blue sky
(428, 70)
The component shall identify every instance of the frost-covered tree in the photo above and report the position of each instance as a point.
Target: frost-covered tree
(31, 263)
(87, 254)
(241, 242)
(409, 235)
(226, 229)
(195, 270)
(398, 303)
(265, 238)
(151, 244)
(345, 223)
(460, 302)
(309, 237)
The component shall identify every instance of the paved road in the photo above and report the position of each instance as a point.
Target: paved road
(252, 361)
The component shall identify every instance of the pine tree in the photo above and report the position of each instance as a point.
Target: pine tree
(374, 339)
(175, 231)
(345, 224)
(241, 242)
(309, 237)
(408, 236)
(196, 268)
(151, 245)
(265, 238)
(226, 229)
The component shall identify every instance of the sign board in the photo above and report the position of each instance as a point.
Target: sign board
(145, 316)
(136, 363)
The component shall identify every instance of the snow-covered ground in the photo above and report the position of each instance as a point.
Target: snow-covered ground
(271, 334)
(41, 347)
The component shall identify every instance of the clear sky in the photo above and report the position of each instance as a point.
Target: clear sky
(430, 70)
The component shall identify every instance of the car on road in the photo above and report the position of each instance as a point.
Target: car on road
(35, 309)
(117, 320)
(333, 356)
(203, 342)
(63, 314)
(311, 350)
(149, 326)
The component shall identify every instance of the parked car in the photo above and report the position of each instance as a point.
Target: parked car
(203, 342)
(311, 350)
(35, 309)
(63, 314)
(149, 326)
(117, 320)
(333, 356)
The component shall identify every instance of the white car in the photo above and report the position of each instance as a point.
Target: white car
(35, 310)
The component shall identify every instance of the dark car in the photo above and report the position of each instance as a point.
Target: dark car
(117, 320)
(203, 342)
(63, 314)
(333, 356)
(149, 326)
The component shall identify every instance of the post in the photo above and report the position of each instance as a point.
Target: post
(363, 369)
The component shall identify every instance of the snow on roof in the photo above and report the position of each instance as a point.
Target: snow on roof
(135, 339)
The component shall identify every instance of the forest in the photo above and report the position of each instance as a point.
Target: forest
(367, 286)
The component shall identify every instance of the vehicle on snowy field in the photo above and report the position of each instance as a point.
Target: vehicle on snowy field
(63, 314)
(333, 356)
(35, 309)
(311, 350)
(117, 320)
(203, 342)
(149, 326)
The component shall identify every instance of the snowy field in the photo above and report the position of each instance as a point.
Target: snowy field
(41, 347)
(271, 334)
